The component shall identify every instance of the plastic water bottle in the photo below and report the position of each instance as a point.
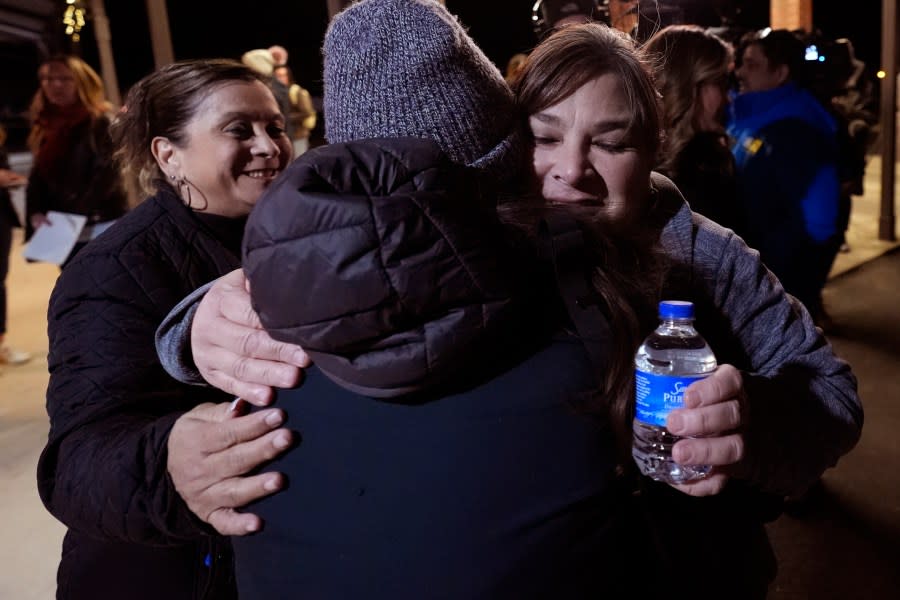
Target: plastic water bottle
(669, 360)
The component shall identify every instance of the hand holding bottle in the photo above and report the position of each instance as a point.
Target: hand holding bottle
(671, 359)
(715, 408)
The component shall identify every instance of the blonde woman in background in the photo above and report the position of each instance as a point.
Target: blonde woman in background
(73, 168)
(691, 68)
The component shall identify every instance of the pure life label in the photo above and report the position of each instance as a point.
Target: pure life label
(657, 395)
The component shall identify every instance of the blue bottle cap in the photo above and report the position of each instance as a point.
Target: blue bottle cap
(676, 309)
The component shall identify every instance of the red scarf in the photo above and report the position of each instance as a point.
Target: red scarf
(57, 139)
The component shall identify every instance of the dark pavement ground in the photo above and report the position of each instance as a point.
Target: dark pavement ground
(846, 545)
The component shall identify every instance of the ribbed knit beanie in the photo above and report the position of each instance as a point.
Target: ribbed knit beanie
(407, 68)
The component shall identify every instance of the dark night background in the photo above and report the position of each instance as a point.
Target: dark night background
(501, 28)
(227, 28)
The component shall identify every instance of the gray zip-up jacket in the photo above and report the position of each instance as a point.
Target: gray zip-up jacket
(803, 411)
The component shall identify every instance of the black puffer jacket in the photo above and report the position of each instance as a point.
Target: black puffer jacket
(388, 264)
(111, 406)
(404, 267)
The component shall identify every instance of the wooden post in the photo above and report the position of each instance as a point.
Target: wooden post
(104, 47)
(886, 230)
(791, 14)
(160, 35)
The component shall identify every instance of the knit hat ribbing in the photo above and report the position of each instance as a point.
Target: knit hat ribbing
(407, 68)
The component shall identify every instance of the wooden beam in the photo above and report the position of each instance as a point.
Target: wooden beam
(886, 221)
(160, 34)
(104, 48)
(791, 14)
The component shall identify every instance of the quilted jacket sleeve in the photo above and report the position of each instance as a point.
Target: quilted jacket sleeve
(112, 406)
(804, 409)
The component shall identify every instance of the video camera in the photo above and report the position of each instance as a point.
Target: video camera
(548, 14)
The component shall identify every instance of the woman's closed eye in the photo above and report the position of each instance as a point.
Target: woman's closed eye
(545, 140)
(613, 147)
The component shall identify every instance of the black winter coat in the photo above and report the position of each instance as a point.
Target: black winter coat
(89, 184)
(112, 406)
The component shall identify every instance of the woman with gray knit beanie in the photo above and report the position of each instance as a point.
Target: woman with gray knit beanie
(444, 489)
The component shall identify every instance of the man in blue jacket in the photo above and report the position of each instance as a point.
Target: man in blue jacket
(785, 147)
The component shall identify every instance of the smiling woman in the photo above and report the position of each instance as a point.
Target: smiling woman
(204, 139)
(233, 148)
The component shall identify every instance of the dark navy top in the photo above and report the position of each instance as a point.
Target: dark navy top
(502, 490)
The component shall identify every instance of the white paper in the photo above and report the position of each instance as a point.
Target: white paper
(98, 228)
(53, 242)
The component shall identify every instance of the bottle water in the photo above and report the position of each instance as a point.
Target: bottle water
(669, 360)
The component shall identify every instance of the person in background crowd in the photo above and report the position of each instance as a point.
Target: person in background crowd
(514, 67)
(8, 221)
(263, 62)
(786, 152)
(302, 114)
(596, 134)
(549, 15)
(279, 54)
(840, 85)
(73, 169)
(205, 139)
(691, 69)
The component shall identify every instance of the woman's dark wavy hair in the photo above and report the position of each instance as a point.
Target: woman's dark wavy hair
(161, 105)
(628, 266)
